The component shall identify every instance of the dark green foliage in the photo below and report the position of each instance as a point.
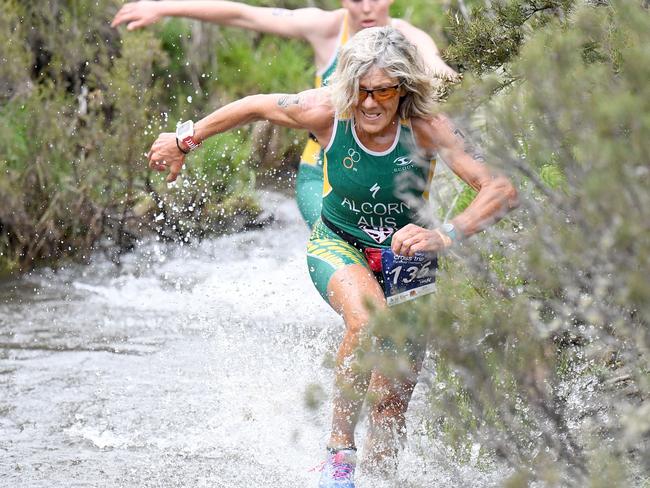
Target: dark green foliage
(82, 102)
(69, 169)
(492, 37)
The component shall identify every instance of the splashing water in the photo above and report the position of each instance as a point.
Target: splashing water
(186, 366)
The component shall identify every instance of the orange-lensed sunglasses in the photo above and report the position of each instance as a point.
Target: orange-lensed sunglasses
(379, 94)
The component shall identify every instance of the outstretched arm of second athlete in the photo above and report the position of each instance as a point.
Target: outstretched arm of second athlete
(301, 23)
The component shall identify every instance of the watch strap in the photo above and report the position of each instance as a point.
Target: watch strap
(191, 143)
(180, 148)
(450, 230)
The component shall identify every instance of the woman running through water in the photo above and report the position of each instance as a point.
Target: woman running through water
(374, 121)
(326, 31)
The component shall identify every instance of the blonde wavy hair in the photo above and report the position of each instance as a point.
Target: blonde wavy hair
(388, 49)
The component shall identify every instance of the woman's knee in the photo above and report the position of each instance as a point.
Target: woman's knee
(388, 409)
(389, 397)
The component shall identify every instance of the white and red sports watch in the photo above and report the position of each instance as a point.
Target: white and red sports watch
(185, 135)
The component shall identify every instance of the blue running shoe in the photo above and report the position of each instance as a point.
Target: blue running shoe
(338, 469)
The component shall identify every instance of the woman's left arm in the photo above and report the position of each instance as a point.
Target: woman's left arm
(495, 196)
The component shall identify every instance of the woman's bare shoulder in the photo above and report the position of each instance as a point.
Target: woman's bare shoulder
(431, 132)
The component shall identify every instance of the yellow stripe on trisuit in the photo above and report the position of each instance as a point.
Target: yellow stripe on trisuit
(327, 188)
(432, 170)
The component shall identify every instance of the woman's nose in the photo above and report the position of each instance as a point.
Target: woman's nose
(369, 101)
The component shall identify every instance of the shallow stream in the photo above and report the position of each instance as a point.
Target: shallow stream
(187, 366)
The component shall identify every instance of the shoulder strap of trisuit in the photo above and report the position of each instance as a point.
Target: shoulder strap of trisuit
(432, 158)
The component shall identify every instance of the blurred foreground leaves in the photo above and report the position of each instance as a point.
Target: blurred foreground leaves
(540, 325)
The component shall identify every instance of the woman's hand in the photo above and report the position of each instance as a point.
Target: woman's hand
(137, 14)
(164, 154)
(413, 238)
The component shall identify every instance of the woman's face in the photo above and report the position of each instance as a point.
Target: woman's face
(367, 13)
(375, 114)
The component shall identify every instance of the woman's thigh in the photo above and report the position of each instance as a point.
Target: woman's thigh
(341, 273)
(352, 291)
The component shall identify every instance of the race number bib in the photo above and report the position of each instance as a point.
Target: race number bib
(406, 278)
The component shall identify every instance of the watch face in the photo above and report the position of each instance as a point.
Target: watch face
(184, 130)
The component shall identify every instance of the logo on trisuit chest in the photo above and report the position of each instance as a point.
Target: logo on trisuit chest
(402, 163)
(352, 157)
(378, 234)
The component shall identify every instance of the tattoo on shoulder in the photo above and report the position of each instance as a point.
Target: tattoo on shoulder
(469, 147)
(281, 12)
(286, 100)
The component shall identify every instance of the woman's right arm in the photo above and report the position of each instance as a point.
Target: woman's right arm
(309, 110)
(300, 23)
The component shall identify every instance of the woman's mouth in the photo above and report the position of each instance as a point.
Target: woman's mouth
(370, 116)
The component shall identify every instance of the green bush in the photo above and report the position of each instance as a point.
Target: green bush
(81, 105)
(540, 324)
